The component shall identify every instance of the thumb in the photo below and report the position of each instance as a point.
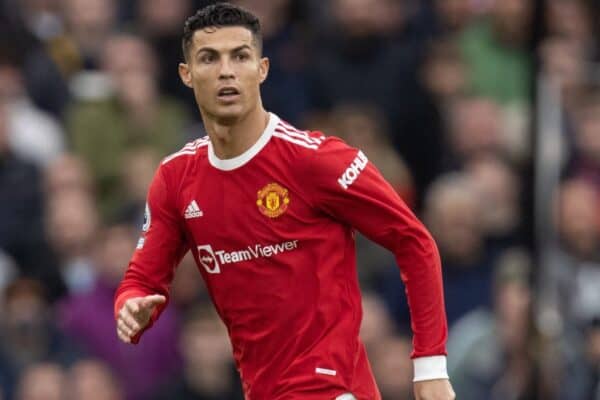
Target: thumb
(153, 300)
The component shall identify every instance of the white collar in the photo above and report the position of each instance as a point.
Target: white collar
(229, 164)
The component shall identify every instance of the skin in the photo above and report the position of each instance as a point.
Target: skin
(228, 56)
(219, 57)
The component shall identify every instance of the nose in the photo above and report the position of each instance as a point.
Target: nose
(226, 71)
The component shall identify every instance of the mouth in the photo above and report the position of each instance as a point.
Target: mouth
(228, 94)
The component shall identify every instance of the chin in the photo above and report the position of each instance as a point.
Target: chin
(229, 114)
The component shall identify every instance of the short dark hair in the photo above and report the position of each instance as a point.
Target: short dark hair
(220, 15)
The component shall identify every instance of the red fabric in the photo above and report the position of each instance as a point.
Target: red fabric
(287, 287)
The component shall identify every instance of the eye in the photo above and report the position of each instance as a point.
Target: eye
(207, 58)
(242, 56)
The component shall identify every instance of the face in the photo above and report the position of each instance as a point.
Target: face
(205, 344)
(454, 214)
(225, 70)
(588, 135)
(42, 381)
(89, 15)
(91, 379)
(476, 127)
(578, 217)
(512, 16)
(114, 252)
(392, 354)
(455, 13)
(73, 221)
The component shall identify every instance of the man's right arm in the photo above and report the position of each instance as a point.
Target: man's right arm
(144, 291)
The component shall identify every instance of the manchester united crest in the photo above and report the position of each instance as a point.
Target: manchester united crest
(273, 200)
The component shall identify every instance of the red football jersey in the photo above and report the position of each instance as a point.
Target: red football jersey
(272, 234)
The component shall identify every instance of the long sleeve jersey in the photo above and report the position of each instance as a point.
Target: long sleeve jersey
(272, 234)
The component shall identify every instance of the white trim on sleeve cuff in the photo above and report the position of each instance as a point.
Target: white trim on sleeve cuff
(431, 367)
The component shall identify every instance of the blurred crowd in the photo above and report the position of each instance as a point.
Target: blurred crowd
(442, 95)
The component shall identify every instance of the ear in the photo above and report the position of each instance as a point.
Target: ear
(263, 68)
(185, 74)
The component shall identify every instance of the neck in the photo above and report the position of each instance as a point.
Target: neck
(230, 139)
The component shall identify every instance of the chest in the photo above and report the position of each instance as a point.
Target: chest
(237, 209)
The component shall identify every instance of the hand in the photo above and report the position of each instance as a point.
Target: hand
(435, 389)
(135, 315)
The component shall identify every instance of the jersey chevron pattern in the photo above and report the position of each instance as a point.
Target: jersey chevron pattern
(272, 233)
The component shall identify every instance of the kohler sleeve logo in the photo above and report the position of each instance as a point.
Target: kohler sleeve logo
(353, 171)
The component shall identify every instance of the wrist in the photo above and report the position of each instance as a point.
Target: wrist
(430, 367)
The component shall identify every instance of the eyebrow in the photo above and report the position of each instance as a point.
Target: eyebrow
(213, 50)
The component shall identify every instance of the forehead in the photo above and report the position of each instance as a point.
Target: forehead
(222, 39)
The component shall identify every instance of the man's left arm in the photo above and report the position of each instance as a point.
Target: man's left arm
(352, 190)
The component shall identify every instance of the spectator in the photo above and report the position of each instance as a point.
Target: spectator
(496, 46)
(454, 215)
(392, 354)
(187, 288)
(475, 130)
(422, 135)
(33, 134)
(443, 72)
(563, 60)
(509, 366)
(88, 23)
(574, 271)
(286, 44)
(24, 31)
(208, 372)
(160, 22)
(68, 172)
(42, 381)
(453, 15)
(365, 59)
(22, 214)
(28, 333)
(157, 352)
(586, 158)
(377, 323)
(72, 231)
(498, 188)
(139, 167)
(91, 379)
(573, 20)
(104, 132)
(41, 18)
(592, 360)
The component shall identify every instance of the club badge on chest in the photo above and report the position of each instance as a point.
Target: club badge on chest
(273, 200)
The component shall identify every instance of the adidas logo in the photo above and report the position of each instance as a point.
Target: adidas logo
(193, 211)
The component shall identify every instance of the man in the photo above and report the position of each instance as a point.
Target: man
(268, 212)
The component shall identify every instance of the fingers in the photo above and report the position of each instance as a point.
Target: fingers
(153, 300)
(129, 320)
(132, 305)
(123, 331)
(135, 314)
(124, 338)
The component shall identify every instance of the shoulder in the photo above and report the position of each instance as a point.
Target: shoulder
(317, 156)
(295, 138)
(176, 165)
(307, 141)
(194, 148)
(313, 147)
